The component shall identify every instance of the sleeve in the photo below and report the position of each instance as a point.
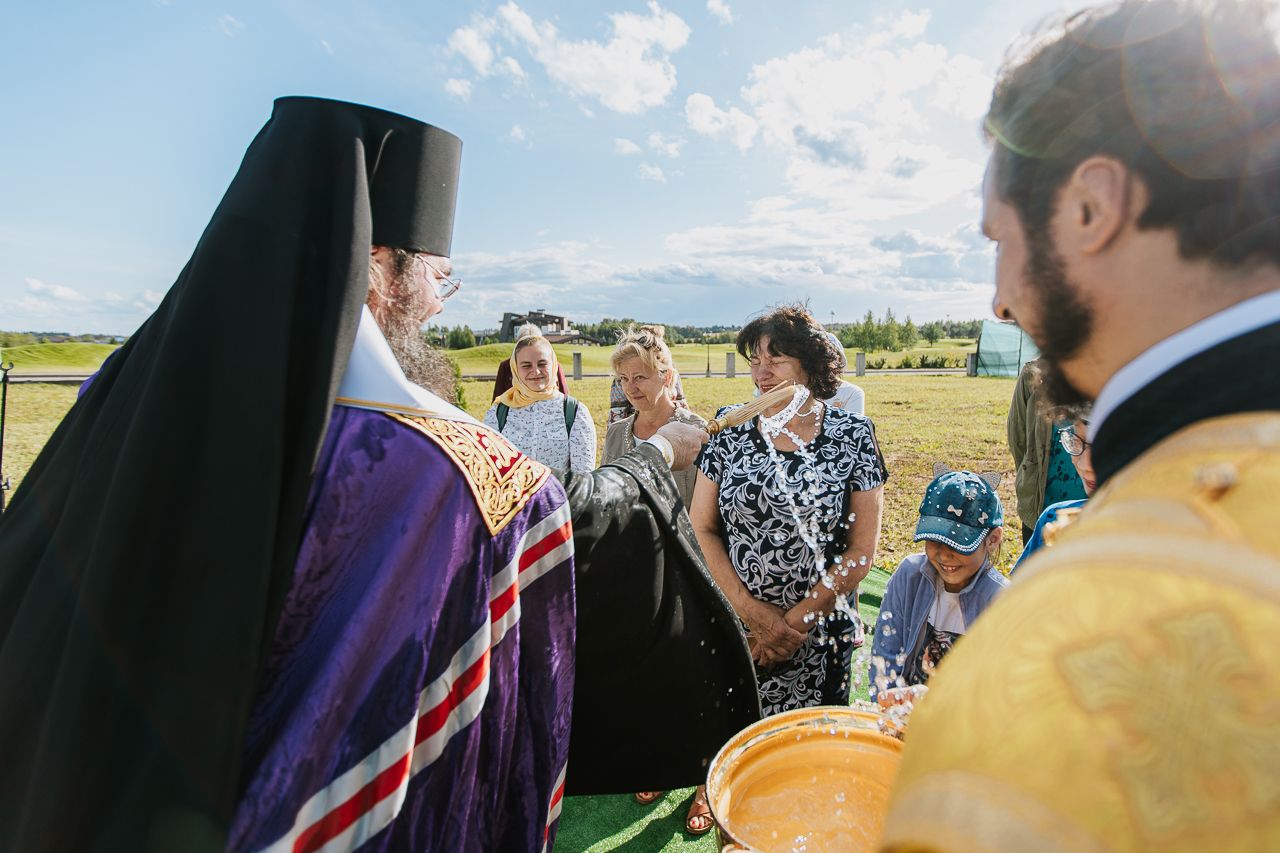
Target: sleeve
(612, 442)
(889, 635)
(582, 440)
(1016, 425)
(711, 460)
(491, 418)
(869, 472)
(857, 401)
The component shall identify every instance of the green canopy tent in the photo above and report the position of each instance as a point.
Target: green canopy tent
(1003, 348)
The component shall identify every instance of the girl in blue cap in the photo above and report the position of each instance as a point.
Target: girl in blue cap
(934, 597)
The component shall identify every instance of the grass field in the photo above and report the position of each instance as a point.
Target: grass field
(32, 414)
(690, 359)
(52, 358)
(919, 420)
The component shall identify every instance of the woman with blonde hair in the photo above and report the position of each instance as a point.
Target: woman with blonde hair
(542, 421)
(644, 370)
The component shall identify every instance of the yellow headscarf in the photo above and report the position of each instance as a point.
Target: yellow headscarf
(519, 394)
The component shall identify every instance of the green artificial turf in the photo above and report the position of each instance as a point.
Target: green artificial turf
(601, 823)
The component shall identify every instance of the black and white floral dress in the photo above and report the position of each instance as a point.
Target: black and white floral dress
(763, 539)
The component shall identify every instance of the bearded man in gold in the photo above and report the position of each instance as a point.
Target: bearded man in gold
(1124, 694)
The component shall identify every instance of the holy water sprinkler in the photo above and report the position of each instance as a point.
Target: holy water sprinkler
(742, 414)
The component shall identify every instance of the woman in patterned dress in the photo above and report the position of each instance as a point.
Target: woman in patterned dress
(536, 417)
(787, 511)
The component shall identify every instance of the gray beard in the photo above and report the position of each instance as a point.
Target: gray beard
(422, 364)
(426, 366)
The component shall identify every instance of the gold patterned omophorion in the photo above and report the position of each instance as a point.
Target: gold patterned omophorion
(1121, 694)
(501, 478)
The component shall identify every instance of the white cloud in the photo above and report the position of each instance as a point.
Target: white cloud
(625, 147)
(721, 10)
(652, 172)
(41, 306)
(54, 292)
(460, 89)
(706, 118)
(667, 146)
(472, 44)
(328, 47)
(875, 129)
(630, 72)
(511, 68)
(229, 25)
(516, 134)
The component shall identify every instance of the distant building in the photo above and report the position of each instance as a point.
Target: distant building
(550, 324)
(573, 338)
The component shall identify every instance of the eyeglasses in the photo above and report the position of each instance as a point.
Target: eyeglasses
(445, 286)
(1071, 442)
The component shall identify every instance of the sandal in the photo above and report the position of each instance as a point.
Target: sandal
(647, 798)
(699, 820)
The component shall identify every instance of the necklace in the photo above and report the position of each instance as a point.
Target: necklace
(808, 491)
(777, 423)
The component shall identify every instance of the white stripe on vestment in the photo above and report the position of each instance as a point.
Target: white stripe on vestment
(394, 749)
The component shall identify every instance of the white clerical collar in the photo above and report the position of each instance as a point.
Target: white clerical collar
(1239, 319)
(374, 380)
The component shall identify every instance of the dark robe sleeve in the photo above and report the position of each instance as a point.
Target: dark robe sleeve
(664, 676)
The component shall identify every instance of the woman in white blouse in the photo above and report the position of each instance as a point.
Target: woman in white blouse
(537, 418)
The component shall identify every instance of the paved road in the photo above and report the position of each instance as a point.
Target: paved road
(49, 378)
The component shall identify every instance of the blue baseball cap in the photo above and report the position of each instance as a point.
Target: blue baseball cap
(959, 508)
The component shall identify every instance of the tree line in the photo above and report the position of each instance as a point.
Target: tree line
(888, 334)
(871, 334)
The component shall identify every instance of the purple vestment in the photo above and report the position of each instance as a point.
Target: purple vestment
(417, 692)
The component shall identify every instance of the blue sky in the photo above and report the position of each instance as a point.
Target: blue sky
(682, 162)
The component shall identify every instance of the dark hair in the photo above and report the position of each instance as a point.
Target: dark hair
(1185, 93)
(793, 331)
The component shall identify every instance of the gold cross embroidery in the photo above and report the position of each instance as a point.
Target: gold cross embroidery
(1194, 716)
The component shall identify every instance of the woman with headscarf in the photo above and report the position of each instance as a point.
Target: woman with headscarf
(502, 381)
(536, 417)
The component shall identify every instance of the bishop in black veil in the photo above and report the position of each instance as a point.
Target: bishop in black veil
(261, 591)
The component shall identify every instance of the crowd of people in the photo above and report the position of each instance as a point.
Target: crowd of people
(400, 632)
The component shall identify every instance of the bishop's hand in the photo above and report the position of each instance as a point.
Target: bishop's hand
(686, 443)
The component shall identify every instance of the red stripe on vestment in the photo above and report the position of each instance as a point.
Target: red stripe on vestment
(433, 720)
(549, 543)
(551, 810)
(503, 602)
(336, 822)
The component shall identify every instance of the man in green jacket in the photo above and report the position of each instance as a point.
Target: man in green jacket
(1030, 440)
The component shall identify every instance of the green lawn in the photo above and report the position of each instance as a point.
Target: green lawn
(919, 420)
(32, 413)
(52, 358)
(690, 359)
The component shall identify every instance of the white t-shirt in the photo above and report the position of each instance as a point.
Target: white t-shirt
(946, 614)
(848, 397)
(538, 431)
